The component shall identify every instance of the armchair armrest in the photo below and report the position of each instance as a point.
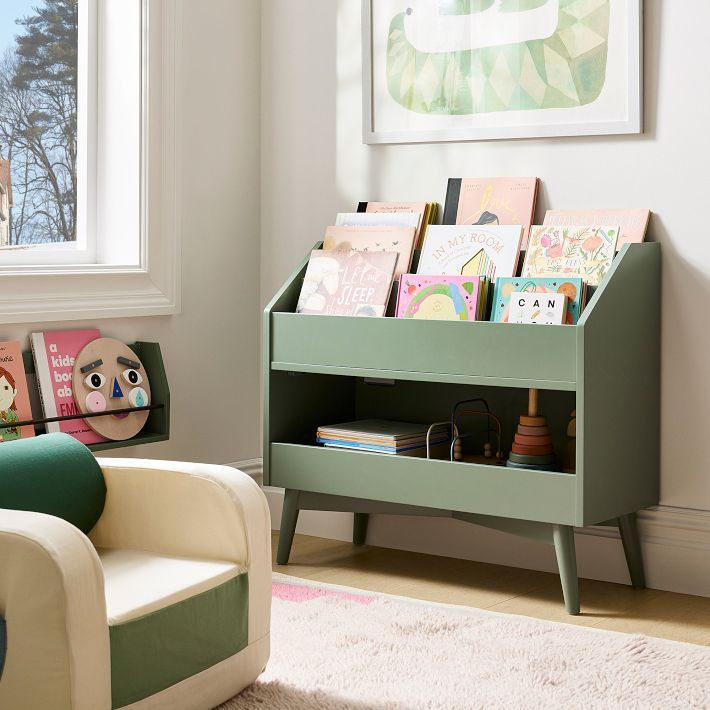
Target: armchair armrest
(52, 598)
(191, 510)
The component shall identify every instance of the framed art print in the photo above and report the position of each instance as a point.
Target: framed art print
(457, 70)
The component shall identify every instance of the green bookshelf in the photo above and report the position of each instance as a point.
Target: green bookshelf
(157, 427)
(327, 369)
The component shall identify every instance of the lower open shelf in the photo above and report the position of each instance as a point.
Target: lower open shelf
(542, 496)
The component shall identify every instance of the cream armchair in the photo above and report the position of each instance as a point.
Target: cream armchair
(164, 604)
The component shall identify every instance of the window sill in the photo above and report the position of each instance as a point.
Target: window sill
(92, 293)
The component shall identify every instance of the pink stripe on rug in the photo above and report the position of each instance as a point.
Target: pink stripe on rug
(335, 648)
(301, 593)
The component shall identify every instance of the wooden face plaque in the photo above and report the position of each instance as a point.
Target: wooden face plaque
(108, 375)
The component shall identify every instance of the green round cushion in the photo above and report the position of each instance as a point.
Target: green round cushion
(53, 474)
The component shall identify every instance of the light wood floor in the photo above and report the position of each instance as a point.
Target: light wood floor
(504, 589)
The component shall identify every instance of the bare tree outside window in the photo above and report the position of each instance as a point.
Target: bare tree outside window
(38, 121)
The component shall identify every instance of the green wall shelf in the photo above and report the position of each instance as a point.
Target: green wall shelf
(328, 369)
(157, 427)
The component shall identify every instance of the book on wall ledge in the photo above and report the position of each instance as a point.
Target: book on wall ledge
(457, 298)
(632, 223)
(14, 395)
(54, 354)
(492, 201)
(466, 250)
(347, 283)
(574, 288)
(370, 239)
(582, 251)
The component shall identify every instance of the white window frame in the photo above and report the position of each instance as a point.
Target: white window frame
(51, 292)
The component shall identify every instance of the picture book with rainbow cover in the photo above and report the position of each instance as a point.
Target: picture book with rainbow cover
(14, 396)
(471, 250)
(394, 239)
(54, 354)
(582, 251)
(440, 297)
(632, 223)
(573, 288)
(347, 283)
(489, 201)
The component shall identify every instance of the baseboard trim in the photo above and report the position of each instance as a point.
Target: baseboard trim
(675, 542)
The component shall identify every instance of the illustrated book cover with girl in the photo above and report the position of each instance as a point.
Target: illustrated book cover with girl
(14, 396)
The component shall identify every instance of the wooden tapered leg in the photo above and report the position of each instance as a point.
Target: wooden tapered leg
(360, 528)
(629, 532)
(289, 518)
(563, 537)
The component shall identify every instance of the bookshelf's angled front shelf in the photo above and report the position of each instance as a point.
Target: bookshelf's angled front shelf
(606, 367)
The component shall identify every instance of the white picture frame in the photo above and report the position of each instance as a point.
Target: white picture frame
(616, 108)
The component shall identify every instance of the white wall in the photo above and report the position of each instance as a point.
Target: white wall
(314, 164)
(211, 349)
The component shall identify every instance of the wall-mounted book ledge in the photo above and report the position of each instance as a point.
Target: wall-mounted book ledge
(157, 427)
(320, 370)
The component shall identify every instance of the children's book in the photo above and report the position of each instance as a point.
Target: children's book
(396, 239)
(632, 223)
(376, 219)
(14, 395)
(54, 354)
(471, 250)
(440, 297)
(538, 308)
(422, 209)
(347, 283)
(490, 201)
(381, 436)
(585, 252)
(573, 288)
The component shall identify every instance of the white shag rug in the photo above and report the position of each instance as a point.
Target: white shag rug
(335, 648)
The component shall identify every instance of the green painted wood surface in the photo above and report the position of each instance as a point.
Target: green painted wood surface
(396, 347)
(157, 427)
(606, 367)
(618, 399)
(469, 488)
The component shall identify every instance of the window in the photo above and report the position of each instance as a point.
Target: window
(87, 158)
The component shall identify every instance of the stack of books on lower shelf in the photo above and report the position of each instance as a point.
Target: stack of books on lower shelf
(383, 436)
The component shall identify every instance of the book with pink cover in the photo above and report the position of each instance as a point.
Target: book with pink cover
(423, 209)
(394, 239)
(490, 201)
(439, 297)
(347, 283)
(54, 353)
(14, 396)
(632, 223)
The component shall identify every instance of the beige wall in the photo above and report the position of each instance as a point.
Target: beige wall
(211, 349)
(314, 164)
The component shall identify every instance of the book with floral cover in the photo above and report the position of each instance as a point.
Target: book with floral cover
(584, 252)
(632, 223)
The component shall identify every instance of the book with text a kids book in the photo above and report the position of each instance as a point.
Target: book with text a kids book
(54, 354)
(14, 396)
